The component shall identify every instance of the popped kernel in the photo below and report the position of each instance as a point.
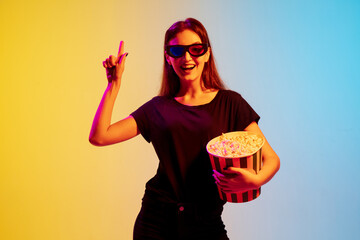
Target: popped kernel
(236, 146)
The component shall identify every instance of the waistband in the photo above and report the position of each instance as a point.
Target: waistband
(201, 209)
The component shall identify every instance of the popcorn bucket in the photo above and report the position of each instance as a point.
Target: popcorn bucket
(251, 161)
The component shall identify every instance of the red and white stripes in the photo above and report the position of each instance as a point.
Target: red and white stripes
(250, 162)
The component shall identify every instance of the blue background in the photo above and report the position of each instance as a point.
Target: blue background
(297, 64)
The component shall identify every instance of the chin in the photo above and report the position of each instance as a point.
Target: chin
(189, 78)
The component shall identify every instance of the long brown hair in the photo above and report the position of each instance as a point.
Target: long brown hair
(210, 77)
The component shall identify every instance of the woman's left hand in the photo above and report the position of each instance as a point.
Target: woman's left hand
(236, 180)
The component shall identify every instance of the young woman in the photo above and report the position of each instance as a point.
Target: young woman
(181, 201)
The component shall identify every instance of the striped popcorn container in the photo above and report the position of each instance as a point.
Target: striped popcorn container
(251, 161)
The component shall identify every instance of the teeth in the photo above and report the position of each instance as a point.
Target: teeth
(188, 66)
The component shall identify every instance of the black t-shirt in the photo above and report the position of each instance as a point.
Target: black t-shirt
(179, 134)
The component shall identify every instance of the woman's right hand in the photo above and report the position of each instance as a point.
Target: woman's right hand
(114, 65)
(102, 131)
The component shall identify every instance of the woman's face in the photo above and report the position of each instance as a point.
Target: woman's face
(187, 67)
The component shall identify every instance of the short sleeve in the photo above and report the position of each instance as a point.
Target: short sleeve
(142, 117)
(247, 113)
(244, 113)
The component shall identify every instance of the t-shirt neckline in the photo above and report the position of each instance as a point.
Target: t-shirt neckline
(201, 105)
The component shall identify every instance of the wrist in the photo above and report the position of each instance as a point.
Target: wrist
(114, 85)
(112, 90)
(262, 178)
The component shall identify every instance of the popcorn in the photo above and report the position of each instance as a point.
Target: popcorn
(240, 149)
(236, 146)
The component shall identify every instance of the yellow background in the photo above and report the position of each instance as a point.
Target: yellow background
(54, 184)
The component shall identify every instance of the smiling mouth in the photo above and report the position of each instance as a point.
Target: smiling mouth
(188, 67)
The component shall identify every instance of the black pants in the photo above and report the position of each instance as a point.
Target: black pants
(171, 221)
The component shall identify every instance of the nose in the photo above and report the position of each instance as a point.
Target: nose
(187, 56)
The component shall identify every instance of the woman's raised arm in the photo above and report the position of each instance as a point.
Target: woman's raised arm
(102, 133)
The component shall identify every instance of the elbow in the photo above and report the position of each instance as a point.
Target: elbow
(93, 141)
(278, 163)
(96, 141)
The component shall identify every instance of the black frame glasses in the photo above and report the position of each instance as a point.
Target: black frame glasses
(177, 51)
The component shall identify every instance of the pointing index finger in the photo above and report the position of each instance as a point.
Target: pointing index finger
(121, 49)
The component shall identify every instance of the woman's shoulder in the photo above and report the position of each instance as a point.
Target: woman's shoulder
(231, 94)
(156, 101)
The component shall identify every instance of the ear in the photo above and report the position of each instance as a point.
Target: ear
(207, 55)
(167, 58)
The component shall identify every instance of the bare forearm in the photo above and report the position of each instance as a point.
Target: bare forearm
(103, 114)
(234, 179)
(271, 161)
(269, 169)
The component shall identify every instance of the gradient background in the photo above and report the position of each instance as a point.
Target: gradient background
(295, 62)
